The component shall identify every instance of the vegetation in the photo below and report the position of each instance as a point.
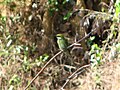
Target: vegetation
(32, 58)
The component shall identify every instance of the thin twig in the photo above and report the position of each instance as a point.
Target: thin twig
(96, 12)
(81, 39)
(72, 75)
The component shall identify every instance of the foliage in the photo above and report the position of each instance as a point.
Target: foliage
(53, 4)
(96, 55)
(67, 16)
(59, 6)
(41, 59)
(90, 41)
(117, 8)
(14, 80)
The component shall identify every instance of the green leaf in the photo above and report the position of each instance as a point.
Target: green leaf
(92, 38)
(44, 57)
(67, 16)
(3, 53)
(14, 80)
(11, 87)
(65, 1)
(117, 6)
(9, 43)
(118, 47)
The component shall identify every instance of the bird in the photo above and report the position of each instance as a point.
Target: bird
(63, 46)
(62, 42)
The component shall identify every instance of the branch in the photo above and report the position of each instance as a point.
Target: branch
(75, 73)
(81, 39)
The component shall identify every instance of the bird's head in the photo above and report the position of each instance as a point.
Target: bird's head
(59, 36)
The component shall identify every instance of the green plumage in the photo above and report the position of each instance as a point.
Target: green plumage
(62, 42)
